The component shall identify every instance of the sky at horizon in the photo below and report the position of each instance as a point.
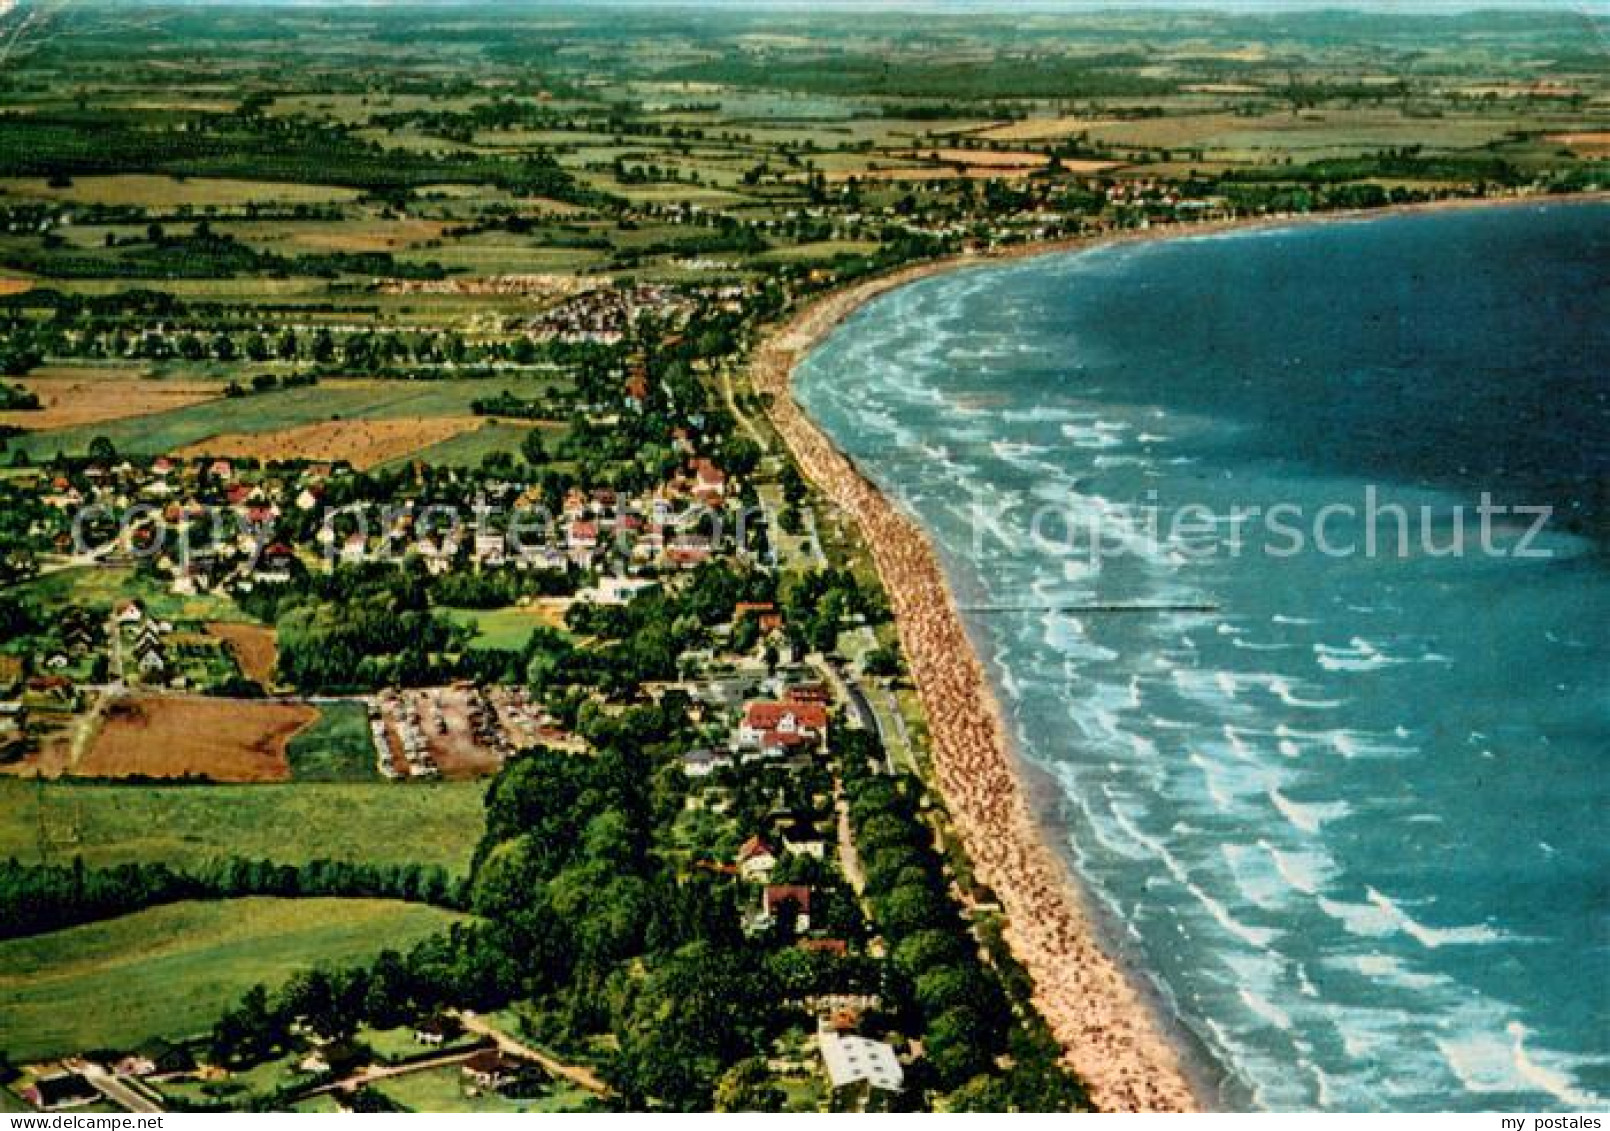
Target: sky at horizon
(1594, 7)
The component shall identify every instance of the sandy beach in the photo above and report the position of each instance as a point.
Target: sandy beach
(1113, 1036)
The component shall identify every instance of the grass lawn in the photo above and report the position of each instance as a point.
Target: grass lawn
(442, 1090)
(382, 823)
(260, 1079)
(802, 1094)
(171, 970)
(322, 1104)
(336, 748)
(508, 628)
(391, 1044)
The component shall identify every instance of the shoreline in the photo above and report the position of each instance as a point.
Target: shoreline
(1116, 1031)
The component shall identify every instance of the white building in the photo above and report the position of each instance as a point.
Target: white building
(851, 1060)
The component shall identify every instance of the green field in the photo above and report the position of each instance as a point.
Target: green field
(468, 449)
(336, 748)
(442, 1090)
(171, 971)
(382, 823)
(507, 628)
(97, 587)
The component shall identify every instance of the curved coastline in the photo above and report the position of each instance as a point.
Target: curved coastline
(1115, 1030)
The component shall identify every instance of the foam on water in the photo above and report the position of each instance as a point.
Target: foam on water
(1240, 787)
(1431, 937)
(1308, 816)
(1302, 871)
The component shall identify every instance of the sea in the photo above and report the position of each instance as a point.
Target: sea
(1286, 552)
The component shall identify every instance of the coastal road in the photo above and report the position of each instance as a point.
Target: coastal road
(848, 689)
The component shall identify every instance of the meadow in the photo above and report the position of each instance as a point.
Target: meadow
(75, 396)
(253, 647)
(443, 1090)
(102, 587)
(469, 447)
(364, 443)
(508, 628)
(187, 825)
(168, 192)
(335, 748)
(170, 971)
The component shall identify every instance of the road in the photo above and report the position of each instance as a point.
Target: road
(848, 688)
(388, 1071)
(61, 563)
(118, 1091)
(813, 539)
(849, 859)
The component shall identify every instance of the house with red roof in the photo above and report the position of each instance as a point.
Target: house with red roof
(685, 555)
(708, 478)
(636, 390)
(775, 897)
(782, 727)
(756, 860)
(582, 535)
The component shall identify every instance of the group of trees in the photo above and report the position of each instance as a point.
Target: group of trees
(958, 1006)
(462, 966)
(507, 404)
(494, 588)
(582, 909)
(204, 254)
(35, 898)
(359, 627)
(568, 891)
(938, 981)
(15, 398)
(290, 148)
(361, 643)
(1411, 163)
(268, 382)
(816, 606)
(574, 864)
(641, 641)
(22, 515)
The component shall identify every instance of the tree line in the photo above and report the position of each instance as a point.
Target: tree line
(938, 981)
(36, 898)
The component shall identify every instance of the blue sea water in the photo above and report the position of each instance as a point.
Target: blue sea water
(1346, 810)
